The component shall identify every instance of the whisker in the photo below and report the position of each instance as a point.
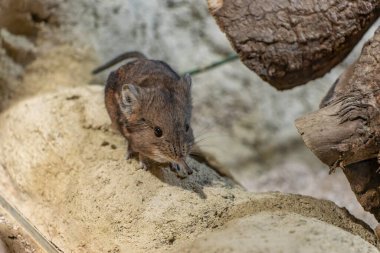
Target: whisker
(207, 146)
(213, 136)
(189, 170)
(205, 129)
(199, 141)
(195, 153)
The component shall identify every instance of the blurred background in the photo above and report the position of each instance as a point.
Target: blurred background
(244, 122)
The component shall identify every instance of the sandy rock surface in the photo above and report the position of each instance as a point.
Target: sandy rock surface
(59, 151)
(277, 232)
(45, 44)
(36, 53)
(3, 248)
(63, 167)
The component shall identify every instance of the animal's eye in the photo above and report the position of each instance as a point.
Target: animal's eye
(157, 131)
(187, 127)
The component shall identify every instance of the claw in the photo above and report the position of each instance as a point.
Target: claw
(143, 166)
(188, 169)
(128, 155)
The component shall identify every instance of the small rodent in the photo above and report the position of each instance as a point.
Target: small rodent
(150, 105)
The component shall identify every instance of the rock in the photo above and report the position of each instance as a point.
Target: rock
(66, 40)
(277, 232)
(60, 153)
(33, 51)
(3, 248)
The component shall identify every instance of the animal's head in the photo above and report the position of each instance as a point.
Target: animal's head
(159, 119)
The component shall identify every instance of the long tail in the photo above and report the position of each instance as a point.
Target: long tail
(122, 57)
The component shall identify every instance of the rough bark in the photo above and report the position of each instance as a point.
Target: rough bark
(364, 179)
(345, 132)
(288, 43)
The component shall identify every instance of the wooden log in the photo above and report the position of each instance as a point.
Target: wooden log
(347, 129)
(345, 132)
(288, 43)
(337, 143)
(364, 179)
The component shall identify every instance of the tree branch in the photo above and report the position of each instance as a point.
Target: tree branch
(288, 43)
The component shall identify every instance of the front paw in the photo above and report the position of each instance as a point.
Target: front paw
(144, 162)
(143, 165)
(129, 155)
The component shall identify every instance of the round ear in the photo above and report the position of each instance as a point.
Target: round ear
(187, 79)
(129, 93)
(129, 97)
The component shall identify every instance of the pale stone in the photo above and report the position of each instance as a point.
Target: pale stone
(83, 195)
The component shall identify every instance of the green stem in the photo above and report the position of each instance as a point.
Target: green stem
(199, 70)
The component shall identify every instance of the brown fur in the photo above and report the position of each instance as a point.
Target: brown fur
(144, 94)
